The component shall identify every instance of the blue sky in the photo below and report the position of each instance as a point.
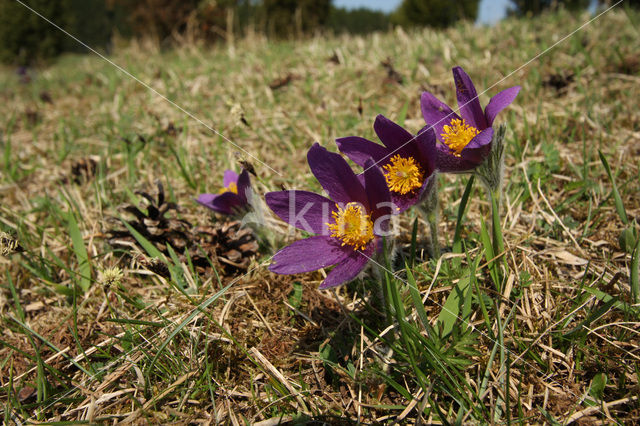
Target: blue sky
(490, 10)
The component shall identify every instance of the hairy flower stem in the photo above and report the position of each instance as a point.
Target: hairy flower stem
(429, 211)
(383, 274)
(255, 219)
(498, 242)
(491, 174)
(491, 171)
(432, 218)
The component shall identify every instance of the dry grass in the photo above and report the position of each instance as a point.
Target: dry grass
(81, 138)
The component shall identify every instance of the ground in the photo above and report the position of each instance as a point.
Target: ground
(199, 331)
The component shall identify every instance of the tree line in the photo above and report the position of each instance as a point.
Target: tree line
(26, 38)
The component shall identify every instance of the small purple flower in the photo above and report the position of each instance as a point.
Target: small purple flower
(407, 161)
(348, 225)
(233, 197)
(466, 138)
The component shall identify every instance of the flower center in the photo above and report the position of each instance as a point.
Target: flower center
(233, 187)
(403, 174)
(352, 225)
(457, 135)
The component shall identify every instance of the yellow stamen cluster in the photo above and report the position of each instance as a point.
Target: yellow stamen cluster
(231, 188)
(457, 135)
(403, 175)
(352, 225)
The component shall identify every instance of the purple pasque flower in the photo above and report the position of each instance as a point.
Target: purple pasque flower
(348, 225)
(465, 138)
(407, 161)
(231, 198)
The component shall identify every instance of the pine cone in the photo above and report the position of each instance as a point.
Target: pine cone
(156, 266)
(154, 224)
(230, 244)
(226, 245)
(83, 169)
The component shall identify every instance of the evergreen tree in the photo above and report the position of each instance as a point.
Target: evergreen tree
(629, 3)
(289, 18)
(92, 23)
(435, 13)
(158, 18)
(357, 21)
(535, 7)
(25, 37)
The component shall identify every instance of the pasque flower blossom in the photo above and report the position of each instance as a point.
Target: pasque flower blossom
(348, 225)
(233, 197)
(407, 161)
(465, 138)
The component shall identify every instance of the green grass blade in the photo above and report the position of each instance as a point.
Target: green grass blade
(84, 267)
(414, 242)
(200, 308)
(184, 170)
(146, 244)
(417, 301)
(457, 238)
(31, 332)
(453, 306)
(295, 297)
(489, 254)
(633, 273)
(402, 116)
(614, 189)
(409, 345)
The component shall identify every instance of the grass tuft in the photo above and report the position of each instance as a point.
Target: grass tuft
(537, 321)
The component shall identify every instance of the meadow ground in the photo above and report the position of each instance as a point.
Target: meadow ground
(197, 330)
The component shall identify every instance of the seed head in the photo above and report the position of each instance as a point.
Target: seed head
(111, 277)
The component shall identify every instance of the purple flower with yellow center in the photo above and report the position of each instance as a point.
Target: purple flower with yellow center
(407, 161)
(465, 138)
(348, 225)
(233, 197)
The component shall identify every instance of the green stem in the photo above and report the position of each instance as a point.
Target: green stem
(384, 289)
(429, 210)
(498, 242)
(634, 272)
(496, 234)
(432, 218)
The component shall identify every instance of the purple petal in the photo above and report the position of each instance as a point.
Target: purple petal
(446, 162)
(478, 148)
(206, 199)
(244, 185)
(225, 203)
(348, 268)
(468, 101)
(394, 137)
(229, 177)
(470, 157)
(404, 202)
(359, 150)
(500, 102)
(378, 195)
(302, 209)
(309, 254)
(426, 144)
(436, 113)
(335, 176)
